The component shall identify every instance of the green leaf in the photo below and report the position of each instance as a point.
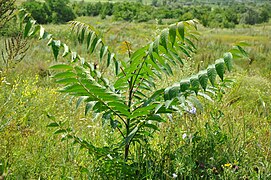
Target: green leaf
(242, 43)
(80, 100)
(131, 135)
(206, 96)
(228, 60)
(28, 26)
(110, 56)
(194, 81)
(151, 126)
(184, 50)
(172, 34)
(156, 117)
(89, 38)
(138, 54)
(73, 88)
(156, 45)
(117, 67)
(142, 111)
(103, 51)
(155, 95)
(163, 38)
(34, 31)
(61, 67)
(93, 45)
(203, 79)
(66, 80)
(171, 92)
(243, 52)
(184, 85)
(66, 74)
(55, 44)
(89, 106)
(194, 100)
(82, 35)
(175, 56)
(60, 131)
(189, 42)
(180, 28)
(168, 102)
(53, 124)
(219, 66)
(211, 72)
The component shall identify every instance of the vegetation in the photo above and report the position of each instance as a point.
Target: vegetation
(51, 11)
(6, 10)
(226, 15)
(228, 139)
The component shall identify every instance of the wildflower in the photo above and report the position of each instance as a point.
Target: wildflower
(174, 176)
(235, 167)
(184, 136)
(193, 110)
(228, 165)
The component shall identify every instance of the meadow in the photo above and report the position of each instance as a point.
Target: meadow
(229, 139)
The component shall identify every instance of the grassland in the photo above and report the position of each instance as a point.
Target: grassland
(238, 144)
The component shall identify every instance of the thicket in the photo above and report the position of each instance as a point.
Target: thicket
(225, 16)
(51, 11)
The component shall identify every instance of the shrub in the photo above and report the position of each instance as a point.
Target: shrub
(52, 11)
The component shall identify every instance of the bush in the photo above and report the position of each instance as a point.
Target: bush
(38, 10)
(52, 11)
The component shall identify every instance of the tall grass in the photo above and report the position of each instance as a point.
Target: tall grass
(235, 145)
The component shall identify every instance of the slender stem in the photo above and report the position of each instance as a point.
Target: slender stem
(130, 98)
(128, 48)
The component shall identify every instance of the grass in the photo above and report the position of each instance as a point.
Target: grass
(234, 146)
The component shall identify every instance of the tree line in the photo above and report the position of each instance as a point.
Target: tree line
(210, 15)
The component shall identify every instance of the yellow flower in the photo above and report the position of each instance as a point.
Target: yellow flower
(228, 165)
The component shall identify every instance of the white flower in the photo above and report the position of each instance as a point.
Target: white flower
(174, 176)
(184, 135)
(193, 110)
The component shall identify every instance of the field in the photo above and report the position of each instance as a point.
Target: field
(230, 139)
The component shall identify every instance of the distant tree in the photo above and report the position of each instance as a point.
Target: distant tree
(263, 15)
(154, 3)
(38, 10)
(94, 9)
(250, 17)
(125, 11)
(60, 11)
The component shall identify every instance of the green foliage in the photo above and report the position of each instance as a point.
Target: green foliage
(38, 11)
(211, 15)
(200, 152)
(29, 150)
(52, 11)
(131, 104)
